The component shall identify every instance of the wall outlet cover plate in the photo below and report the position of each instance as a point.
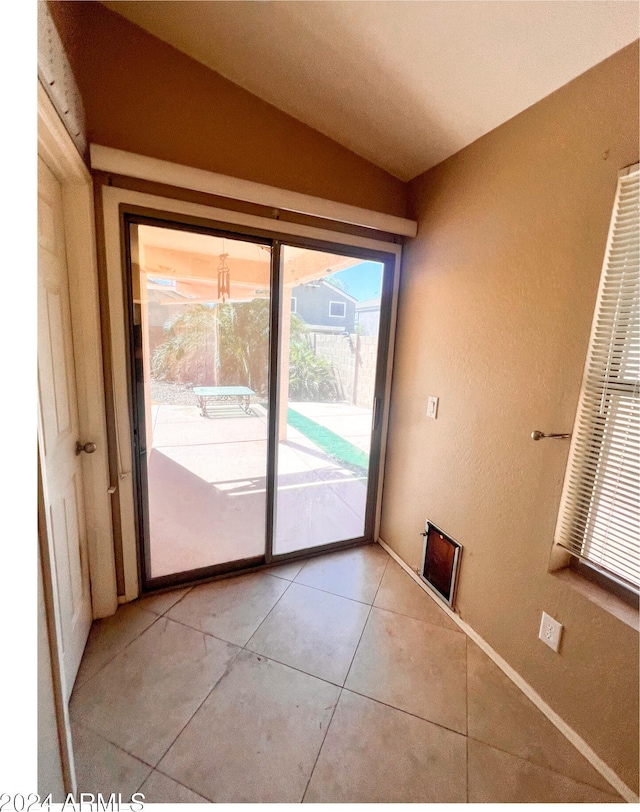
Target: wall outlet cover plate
(550, 631)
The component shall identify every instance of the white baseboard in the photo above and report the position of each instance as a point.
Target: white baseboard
(576, 740)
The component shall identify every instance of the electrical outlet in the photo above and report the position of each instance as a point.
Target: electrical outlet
(550, 631)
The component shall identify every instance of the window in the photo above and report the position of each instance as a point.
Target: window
(294, 304)
(599, 513)
(337, 309)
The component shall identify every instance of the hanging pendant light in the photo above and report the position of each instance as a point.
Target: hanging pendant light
(224, 289)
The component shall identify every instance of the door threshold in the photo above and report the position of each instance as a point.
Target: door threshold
(210, 577)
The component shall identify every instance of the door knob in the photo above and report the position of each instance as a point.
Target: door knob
(88, 448)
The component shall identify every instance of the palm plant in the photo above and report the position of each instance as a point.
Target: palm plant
(243, 348)
(185, 354)
(228, 344)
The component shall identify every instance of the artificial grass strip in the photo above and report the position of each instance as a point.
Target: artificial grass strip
(336, 447)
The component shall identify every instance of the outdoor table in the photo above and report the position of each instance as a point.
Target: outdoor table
(211, 396)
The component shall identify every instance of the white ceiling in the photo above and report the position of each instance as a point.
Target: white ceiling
(402, 83)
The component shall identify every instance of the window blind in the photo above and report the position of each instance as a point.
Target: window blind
(599, 519)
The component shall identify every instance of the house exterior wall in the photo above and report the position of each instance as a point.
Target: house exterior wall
(313, 306)
(496, 303)
(368, 321)
(142, 95)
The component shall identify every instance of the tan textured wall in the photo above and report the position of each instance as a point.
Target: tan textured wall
(497, 297)
(143, 96)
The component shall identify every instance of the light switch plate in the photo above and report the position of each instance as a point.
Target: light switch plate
(432, 407)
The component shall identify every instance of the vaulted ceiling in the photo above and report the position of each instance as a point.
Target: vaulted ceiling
(403, 84)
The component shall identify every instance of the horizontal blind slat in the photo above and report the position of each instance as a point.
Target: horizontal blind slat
(600, 508)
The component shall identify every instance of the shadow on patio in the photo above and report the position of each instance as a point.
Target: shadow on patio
(207, 485)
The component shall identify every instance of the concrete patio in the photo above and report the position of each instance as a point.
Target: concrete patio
(207, 485)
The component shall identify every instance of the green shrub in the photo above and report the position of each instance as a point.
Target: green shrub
(310, 376)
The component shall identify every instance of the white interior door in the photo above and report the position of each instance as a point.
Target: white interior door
(58, 427)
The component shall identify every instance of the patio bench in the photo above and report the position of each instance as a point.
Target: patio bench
(213, 399)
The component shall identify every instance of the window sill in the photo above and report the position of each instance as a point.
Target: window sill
(602, 597)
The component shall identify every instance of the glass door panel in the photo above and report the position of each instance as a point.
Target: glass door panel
(201, 315)
(329, 326)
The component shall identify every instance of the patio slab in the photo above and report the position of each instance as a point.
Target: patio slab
(222, 463)
(341, 418)
(177, 414)
(207, 489)
(313, 516)
(194, 524)
(318, 410)
(205, 431)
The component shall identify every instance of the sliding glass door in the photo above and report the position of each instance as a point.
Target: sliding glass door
(200, 312)
(255, 427)
(330, 324)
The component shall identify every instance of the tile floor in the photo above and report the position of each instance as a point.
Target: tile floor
(337, 680)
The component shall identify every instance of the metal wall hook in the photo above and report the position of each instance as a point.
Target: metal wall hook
(538, 435)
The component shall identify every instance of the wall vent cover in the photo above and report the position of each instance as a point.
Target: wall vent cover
(440, 562)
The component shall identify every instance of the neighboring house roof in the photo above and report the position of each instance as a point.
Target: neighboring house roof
(368, 304)
(332, 288)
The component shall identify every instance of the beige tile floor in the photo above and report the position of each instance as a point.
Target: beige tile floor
(337, 680)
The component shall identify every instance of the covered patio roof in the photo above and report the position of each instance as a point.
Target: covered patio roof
(193, 260)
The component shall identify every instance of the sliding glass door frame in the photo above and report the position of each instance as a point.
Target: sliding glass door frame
(138, 411)
(278, 339)
(132, 216)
